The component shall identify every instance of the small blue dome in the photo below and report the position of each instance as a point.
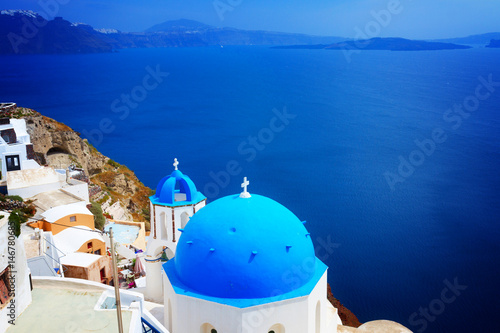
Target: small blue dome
(176, 189)
(244, 248)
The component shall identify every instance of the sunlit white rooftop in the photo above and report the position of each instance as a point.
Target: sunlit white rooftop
(72, 305)
(56, 213)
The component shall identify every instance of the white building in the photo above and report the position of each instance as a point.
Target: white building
(175, 201)
(15, 291)
(16, 149)
(21, 174)
(54, 304)
(245, 263)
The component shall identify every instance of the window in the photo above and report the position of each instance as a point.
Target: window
(184, 219)
(170, 319)
(72, 218)
(163, 226)
(89, 245)
(213, 330)
(98, 252)
(318, 317)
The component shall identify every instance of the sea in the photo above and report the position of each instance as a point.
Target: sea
(391, 158)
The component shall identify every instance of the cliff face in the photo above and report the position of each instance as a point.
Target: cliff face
(27, 32)
(57, 145)
(114, 186)
(348, 318)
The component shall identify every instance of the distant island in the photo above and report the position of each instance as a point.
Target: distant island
(479, 40)
(494, 43)
(390, 44)
(27, 32)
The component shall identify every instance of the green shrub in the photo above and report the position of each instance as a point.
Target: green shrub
(146, 213)
(103, 199)
(17, 218)
(14, 197)
(113, 163)
(99, 219)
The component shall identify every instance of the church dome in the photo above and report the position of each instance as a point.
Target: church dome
(244, 247)
(176, 189)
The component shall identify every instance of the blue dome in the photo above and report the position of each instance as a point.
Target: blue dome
(244, 248)
(176, 189)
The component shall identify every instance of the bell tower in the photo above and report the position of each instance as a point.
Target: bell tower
(175, 201)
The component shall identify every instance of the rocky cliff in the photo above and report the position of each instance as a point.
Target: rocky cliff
(27, 32)
(348, 318)
(112, 185)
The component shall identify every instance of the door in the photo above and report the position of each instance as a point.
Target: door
(12, 162)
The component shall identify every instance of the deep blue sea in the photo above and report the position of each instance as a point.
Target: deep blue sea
(325, 137)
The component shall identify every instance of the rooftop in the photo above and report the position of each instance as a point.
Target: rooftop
(31, 177)
(59, 309)
(76, 305)
(244, 255)
(56, 213)
(70, 239)
(49, 199)
(59, 305)
(79, 259)
(177, 189)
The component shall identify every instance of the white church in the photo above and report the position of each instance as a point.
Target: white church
(241, 264)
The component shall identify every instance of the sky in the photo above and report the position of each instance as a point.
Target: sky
(418, 19)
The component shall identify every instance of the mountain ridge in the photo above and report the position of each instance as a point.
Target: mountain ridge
(176, 25)
(27, 32)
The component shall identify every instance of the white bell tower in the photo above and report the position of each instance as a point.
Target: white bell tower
(175, 201)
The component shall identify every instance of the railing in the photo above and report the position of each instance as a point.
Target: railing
(147, 327)
(65, 269)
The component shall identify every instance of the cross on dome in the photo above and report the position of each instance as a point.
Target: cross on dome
(244, 185)
(176, 163)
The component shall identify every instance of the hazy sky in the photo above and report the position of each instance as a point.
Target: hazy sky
(410, 18)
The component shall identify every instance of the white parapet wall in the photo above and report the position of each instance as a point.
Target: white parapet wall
(130, 301)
